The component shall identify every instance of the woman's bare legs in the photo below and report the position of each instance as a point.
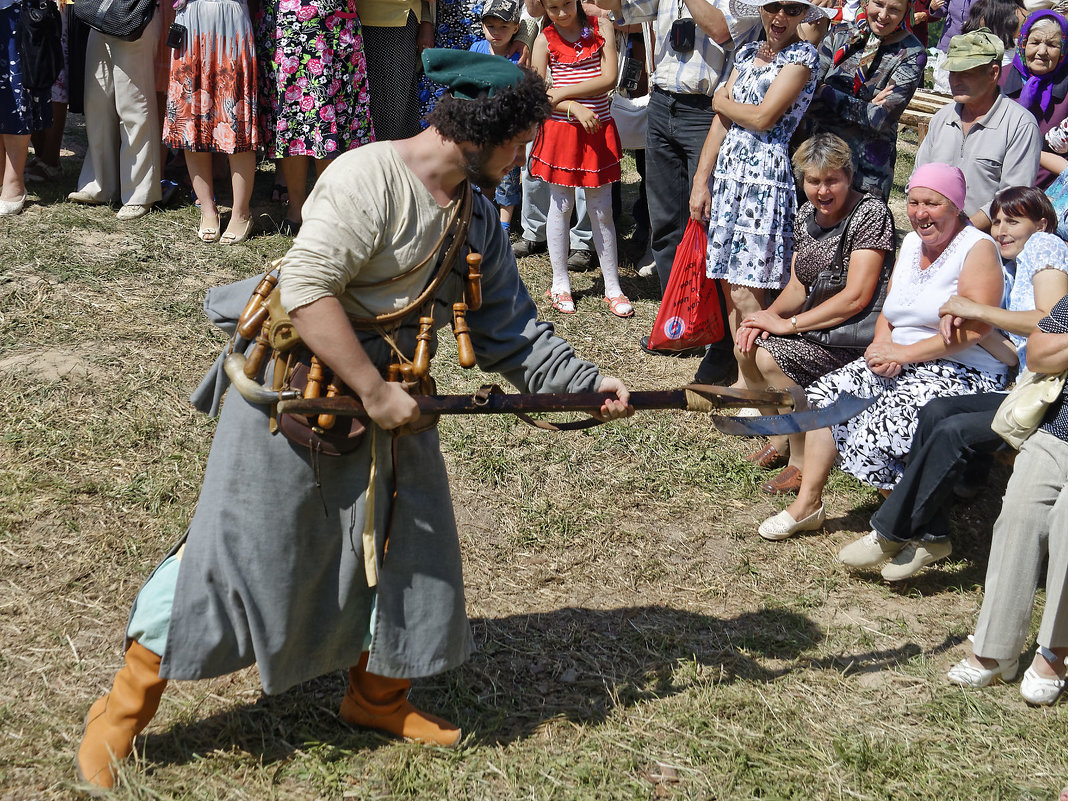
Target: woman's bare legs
(13, 149)
(242, 175)
(742, 300)
(820, 454)
(199, 168)
(772, 377)
(295, 170)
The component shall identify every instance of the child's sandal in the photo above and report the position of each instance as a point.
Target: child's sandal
(620, 306)
(562, 301)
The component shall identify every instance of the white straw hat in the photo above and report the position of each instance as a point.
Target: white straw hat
(742, 8)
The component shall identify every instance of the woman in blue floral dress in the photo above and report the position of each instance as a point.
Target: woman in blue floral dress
(314, 102)
(750, 200)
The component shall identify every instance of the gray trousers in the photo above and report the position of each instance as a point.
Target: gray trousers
(121, 121)
(1033, 523)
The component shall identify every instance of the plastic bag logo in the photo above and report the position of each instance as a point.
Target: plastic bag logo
(674, 328)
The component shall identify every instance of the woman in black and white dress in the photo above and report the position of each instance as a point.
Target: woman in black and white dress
(909, 362)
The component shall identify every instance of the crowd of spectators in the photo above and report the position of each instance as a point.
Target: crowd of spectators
(734, 91)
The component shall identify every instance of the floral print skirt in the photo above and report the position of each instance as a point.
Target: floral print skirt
(21, 110)
(211, 95)
(313, 82)
(873, 445)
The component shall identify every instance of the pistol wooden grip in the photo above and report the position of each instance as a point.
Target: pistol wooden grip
(473, 287)
(465, 351)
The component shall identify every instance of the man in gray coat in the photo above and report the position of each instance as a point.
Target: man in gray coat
(262, 575)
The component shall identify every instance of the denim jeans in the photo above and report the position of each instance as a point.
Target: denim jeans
(948, 432)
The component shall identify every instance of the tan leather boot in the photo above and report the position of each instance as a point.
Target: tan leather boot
(114, 720)
(379, 702)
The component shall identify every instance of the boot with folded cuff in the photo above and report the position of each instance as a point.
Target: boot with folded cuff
(379, 702)
(118, 717)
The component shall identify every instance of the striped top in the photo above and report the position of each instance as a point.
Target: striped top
(574, 62)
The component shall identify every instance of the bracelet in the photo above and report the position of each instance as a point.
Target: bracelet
(569, 103)
(793, 322)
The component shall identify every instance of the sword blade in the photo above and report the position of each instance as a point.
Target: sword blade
(845, 407)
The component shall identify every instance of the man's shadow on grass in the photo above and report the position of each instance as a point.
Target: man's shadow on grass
(575, 664)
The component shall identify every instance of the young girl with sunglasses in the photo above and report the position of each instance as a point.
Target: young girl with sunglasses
(579, 144)
(750, 200)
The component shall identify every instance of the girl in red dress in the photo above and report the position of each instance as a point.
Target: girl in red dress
(579, 144)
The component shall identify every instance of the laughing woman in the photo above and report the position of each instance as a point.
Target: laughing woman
(909, 362)
(869, 70)
(750, 199)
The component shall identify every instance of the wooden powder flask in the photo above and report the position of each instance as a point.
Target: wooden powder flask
(465, 351)
(255, 313)
(258, 354)
(421, 359)
(473, 285)
(326, 421)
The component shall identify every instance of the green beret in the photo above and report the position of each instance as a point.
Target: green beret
(469, 75)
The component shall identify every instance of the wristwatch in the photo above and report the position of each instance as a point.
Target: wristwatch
(793, 322)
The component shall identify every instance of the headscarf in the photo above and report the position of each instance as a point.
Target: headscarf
(863, 37)
(945, 179)
(1040, 87)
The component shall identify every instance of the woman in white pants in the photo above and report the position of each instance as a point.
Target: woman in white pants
(122, 123)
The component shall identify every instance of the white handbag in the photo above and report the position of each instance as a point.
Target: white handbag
(1025, 406)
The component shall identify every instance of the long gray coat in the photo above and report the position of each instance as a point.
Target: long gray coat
(273, 573)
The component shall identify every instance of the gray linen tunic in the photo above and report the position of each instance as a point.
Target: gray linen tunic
(270, 576)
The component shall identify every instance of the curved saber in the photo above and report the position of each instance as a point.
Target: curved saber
(845, 407)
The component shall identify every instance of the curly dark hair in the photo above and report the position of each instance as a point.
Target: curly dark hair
(491, 121)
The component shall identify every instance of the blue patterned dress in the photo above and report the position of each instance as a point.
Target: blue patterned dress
(751, 226)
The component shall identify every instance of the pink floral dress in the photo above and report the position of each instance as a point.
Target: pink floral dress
(313, 78)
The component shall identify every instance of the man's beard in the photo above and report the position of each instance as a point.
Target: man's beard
(474, 169)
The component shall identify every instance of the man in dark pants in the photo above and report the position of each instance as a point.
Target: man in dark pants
(690, 65)
(911, 528)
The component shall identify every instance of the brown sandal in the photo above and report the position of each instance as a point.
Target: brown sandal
(787, 481)
(767, 457)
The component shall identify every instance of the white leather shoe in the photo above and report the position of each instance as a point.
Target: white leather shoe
(966, 674)
(783, 525)
(1040, 690)
(8, 207)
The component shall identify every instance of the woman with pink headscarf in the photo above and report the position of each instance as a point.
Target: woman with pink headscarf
(909, 362)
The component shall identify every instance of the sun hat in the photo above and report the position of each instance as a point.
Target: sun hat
(741, 8)
(973, 49)
(944, 179)
(469, 75)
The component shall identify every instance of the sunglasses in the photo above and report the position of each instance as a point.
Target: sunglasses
(789, 9)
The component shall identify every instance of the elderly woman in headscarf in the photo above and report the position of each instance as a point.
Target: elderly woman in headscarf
(910, 362)
(869, 70)
(1038, 79)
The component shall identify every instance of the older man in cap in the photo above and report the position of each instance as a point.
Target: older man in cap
(304, 562)
(993, 140)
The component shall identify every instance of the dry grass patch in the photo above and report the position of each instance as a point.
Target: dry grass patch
(637, 640)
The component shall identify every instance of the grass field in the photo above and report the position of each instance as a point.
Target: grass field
(637, 639)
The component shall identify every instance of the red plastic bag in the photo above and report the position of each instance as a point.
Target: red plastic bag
(689, 314)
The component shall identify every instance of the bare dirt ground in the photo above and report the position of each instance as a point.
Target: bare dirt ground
(637, 639)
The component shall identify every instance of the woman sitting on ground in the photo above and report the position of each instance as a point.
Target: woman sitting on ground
(912, 526)
(794, 342)
(909, 362)
(1032, 526)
